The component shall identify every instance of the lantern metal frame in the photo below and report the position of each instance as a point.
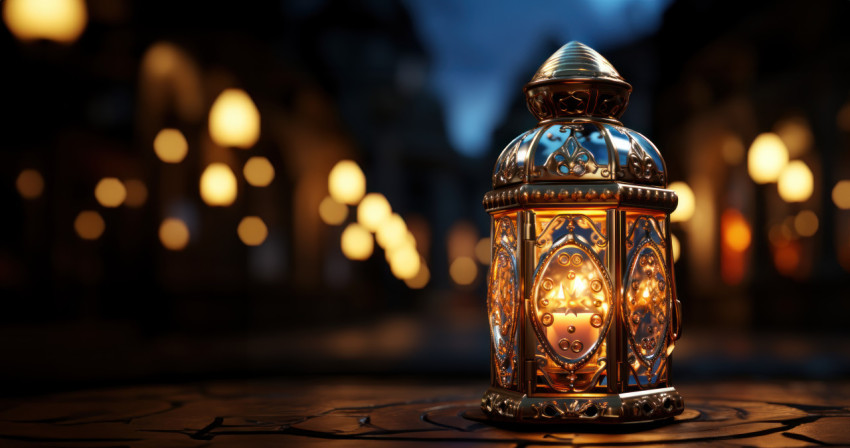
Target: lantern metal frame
(581, 197)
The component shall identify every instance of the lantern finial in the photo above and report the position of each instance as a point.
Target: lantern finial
(576, 60)
(576, 81)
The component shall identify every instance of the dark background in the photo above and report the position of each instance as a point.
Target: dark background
(423, 95)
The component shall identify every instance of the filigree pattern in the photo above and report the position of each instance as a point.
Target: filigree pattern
(571, 158)
(571, 308)
(503, 301)
(646, 308)
(640, 164)
(568, 409)
(562, 226)
(573, 102)
(506, 166)
(647, 302)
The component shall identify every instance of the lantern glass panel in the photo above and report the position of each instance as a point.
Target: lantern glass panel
(647, 301)
(503, 299)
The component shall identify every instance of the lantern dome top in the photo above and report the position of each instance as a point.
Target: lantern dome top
(579, 144)
(576, 81)
(576, 60)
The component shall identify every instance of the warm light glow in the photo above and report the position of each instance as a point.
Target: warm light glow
(843, 118)
(676, 247)
(234, 120)
(461, 240)
(170, 146)
(57, 20)
(137, 193)
(173, 234)
(373, 210)
(332, 212)
(735, 240)
(392, 232)
(796, 135)
(796, 182)
(252, 231)
(841, 194)
(89, 225)
(806, 223)
(463, 270)
(421, 278)
(732, 149)
(786, 257)
(30, 184)
(404, 262)
(346, 182)
(767, 156)
(218, 185)
(685, 210)
(736, 231)
(110, 192)
(258, 171)
(356, 242)
(482, 250)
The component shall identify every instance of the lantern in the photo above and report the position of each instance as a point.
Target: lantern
(581, 296)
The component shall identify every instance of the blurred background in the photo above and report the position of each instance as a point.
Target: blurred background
(202, 190)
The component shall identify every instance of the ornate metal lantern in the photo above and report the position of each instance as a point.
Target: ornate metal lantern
(581, 295)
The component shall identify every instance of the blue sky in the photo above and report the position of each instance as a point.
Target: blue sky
(481, 50)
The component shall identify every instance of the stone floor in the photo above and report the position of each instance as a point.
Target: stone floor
(402, 412)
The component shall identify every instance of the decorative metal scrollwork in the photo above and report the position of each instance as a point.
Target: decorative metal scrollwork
(571, 158)
(640, 164)
(571, 301)
(503, 300)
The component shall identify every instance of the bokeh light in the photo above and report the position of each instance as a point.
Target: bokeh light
(841, 194)
(234, 120)
(170, 145)
(258, 171)
(421, 279)
(806, 223)
(461, 240)
(767, 157)
(786, 257)
(392, 232)
(676, 247)
(57, 20)
(463, 270)
(252, 231)
(137, 193)
(735, 240)
(30, 184)
(735, 230)
(842, 120)
(173, 234)
(218, 185)
(346, 182)
(404, 262)
(110, 192)
(482, 250)
(796, 135)
(89, 225)
(332, 212)
(732, 149)
(687, 204)
(357, 242)
(373, 210)
(796, 182)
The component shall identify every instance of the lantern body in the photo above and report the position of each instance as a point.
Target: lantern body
(581, 296)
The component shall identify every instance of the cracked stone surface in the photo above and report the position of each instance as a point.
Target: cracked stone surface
(393, 412)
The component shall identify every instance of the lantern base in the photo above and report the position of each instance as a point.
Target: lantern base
(629, 407)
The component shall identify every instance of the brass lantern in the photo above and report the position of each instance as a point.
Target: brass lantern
(581, 296)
